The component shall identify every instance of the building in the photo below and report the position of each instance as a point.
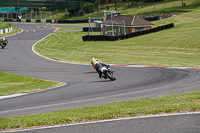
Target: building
(124, 24)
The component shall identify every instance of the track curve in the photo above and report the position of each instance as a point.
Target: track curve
(83, 87)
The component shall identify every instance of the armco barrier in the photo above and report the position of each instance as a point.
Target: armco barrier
(52, 21)
(80, 20)
(2, 31)
(121, 37)
(28, 20)
(152, 18)
(73, 21)
(92, 29)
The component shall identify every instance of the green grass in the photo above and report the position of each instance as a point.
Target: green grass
(150, 106)
(154, 8)
(15, 30)
(15, 84)
(69, 28)
(4, 25)
(68, 24)
(178, 47)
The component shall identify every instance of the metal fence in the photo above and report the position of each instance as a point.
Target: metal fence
(37, 15)
(25, 15)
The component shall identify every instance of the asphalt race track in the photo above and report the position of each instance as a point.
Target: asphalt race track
(83, 86)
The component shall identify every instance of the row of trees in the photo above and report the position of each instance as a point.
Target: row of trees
(89, 7)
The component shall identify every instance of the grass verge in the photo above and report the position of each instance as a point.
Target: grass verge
(178, 47)
(15, 84)
(69, 28)
(15, 30)
(4, 25)
(149, 106)
(175, 47)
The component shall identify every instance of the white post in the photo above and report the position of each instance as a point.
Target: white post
(101, 29)
(104, 15)
(124, 27)
(89, 27)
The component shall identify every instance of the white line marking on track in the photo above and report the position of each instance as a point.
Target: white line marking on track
(109, 120)
(10, 96)
(17, 95)
(101, 121)
(49, 58)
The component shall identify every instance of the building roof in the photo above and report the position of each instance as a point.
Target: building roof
(130, 20)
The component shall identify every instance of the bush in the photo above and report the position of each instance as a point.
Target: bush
(88, 7)
(81, 13)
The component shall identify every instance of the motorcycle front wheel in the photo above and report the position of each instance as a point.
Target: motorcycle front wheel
(2, 46)
(110, 76)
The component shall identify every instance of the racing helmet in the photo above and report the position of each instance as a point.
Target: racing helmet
(94, 61)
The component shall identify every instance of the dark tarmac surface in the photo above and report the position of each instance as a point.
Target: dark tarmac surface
(83, 87)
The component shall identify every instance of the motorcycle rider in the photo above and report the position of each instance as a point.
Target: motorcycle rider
(97, 64)
(3, 42)
(3, 39)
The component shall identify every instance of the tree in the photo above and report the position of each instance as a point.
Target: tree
(107, 5)
(141, 4)
(182, 3)
(115, 2)
(88, 7)
(99, 6)
(131, 2)
(123, 5)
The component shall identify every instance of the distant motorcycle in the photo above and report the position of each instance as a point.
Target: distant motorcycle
(3, 42)
(107, 72)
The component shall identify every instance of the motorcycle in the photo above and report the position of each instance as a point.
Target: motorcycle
(3, 43)
(107, 72)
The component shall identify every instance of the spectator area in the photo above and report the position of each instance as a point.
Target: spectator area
(12, 9)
